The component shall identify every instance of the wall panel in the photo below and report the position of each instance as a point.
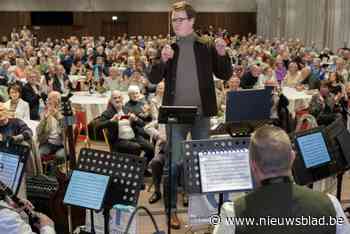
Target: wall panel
(133, 23)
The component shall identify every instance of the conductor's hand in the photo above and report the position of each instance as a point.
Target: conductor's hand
(167, 53)
(220, 46)
(44, 221)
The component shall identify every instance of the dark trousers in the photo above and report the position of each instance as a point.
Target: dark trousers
(135, 146)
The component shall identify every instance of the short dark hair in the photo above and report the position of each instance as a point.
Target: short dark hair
(15, 87)
(184, 6)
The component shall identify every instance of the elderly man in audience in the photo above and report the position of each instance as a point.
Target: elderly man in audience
(130, 67)
(50, 129)
(115, 81)
(100, 69)
(61, 82)
(32, 93)
(124, 128)
(323, 105)
(5, 76)
(317, 70)
(20, 70)
(276, 195)
(250, 78)
(5, 79)
(16, 105)
(13, 129)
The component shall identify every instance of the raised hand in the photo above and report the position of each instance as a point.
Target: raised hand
(167, 53)
(220, 46)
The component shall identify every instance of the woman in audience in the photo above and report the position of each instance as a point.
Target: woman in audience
(293, 77)
(280, 70)
(336, 83)
(268, 76)
(16, 105)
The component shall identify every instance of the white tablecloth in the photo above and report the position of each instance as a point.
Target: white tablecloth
(298, 100)
(76, 78)
(93, 104)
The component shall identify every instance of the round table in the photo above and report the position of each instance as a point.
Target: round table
(94, 104)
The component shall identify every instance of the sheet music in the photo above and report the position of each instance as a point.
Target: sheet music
(314, 150)
(8, 169)
(225, 171)
(86, 189)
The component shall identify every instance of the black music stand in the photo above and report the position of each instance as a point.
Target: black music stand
(336, 138)
(13, 158)
(126, 172)
(195, 148)
(247, 110)
(171, 115)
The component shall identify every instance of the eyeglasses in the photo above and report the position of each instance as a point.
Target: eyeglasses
(178, 20)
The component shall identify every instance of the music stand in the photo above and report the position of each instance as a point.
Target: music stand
(247, 110)
(126, 172)
(171, 115)
(224, 148)
(13, 158)
(336, 138)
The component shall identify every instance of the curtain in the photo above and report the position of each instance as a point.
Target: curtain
(324, 23)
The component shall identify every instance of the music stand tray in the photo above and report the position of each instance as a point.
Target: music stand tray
(195, 150)
(177, 114)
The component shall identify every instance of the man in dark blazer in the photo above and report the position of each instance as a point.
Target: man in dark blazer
(187, 66)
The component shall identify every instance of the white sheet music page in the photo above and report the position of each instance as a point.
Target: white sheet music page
(8, 168)
(225, 171)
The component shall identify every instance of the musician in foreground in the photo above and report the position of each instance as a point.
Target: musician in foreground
(12, 210)
(277, 197)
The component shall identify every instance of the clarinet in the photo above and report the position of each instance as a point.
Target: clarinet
(32, 216)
